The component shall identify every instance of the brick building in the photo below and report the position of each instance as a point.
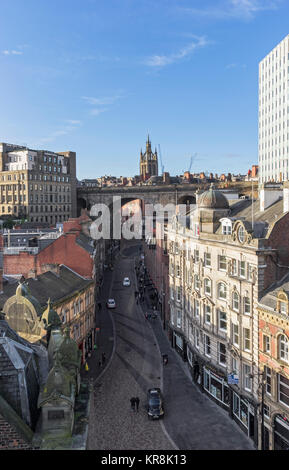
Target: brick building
(74, 248)
(274, 365)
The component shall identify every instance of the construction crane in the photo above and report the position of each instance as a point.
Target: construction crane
(160, 154)
(193, 157)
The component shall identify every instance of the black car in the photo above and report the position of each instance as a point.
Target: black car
(155, 403)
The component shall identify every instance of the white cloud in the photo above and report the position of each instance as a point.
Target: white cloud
(234, 66)
(97, 103)
(163, 60)
(229, 9)
(67, 129)
(97, 111)
(12, 52)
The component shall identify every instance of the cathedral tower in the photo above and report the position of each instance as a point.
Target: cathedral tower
(148, 162)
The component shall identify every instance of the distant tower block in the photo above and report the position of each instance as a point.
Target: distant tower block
(148, 162)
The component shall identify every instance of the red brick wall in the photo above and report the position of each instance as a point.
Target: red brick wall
(9, 438)
(64, 250)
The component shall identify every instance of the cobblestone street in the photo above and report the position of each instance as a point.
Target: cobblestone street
(192, 420)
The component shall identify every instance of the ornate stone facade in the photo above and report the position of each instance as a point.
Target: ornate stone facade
(148, 162)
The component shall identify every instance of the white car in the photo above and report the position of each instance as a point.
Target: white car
(126, 281)
(110, 303)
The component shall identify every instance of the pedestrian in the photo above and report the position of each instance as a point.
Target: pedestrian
(99, 363)
(103, 358)
(137, 301)
(132, 403)
(99, 305)
(137, 403)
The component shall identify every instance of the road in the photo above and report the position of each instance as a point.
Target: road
(192, 420)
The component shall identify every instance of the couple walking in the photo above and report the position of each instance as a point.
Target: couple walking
(134, 401)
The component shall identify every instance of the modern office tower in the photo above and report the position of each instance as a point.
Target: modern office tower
(37, 184)
(274, 114)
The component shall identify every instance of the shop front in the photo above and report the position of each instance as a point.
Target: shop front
(216, 386)
(245, 414)
(281, 433)
(179, 345)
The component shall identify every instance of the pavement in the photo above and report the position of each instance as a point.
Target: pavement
(133, 346)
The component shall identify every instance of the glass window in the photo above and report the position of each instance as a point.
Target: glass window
(197, 308)
(222, 291)
(197, 256)
(242, 268)
(208, 313)
(247, 339)
(241, 234)
(235, 334)
(283, 307)
(268, 380)
(247, 379)
(247, 305)
(208, 286)
(283, 390)
(207, 345)
(207, 259)
(222, 321)
(222, 263)
(283, 347)
(236, 301)
(222, 353)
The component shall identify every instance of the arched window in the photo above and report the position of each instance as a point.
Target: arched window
(208, 286)
(283, 348)
(222, 290)
(236, 303)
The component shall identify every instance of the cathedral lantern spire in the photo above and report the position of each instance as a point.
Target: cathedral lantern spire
(148, 162)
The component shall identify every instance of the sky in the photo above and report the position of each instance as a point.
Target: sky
(96, 76)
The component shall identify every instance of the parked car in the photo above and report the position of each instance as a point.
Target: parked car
(155, 407)
(110, 303)
(126, 281)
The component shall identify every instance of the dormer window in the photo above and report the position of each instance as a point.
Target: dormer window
(226, 227)
(241, 234)
(282, 307)
(282, 302)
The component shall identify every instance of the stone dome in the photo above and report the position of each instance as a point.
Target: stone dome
(213, 199)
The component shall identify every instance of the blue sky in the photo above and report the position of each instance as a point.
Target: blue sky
(94, 76)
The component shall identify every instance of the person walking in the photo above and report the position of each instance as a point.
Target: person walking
(132, 403)
(137, 403)
(99, 306)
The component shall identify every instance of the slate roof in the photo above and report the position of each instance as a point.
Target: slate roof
(242, 210)
(269, 298)
(49, 285)
(85, 242)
